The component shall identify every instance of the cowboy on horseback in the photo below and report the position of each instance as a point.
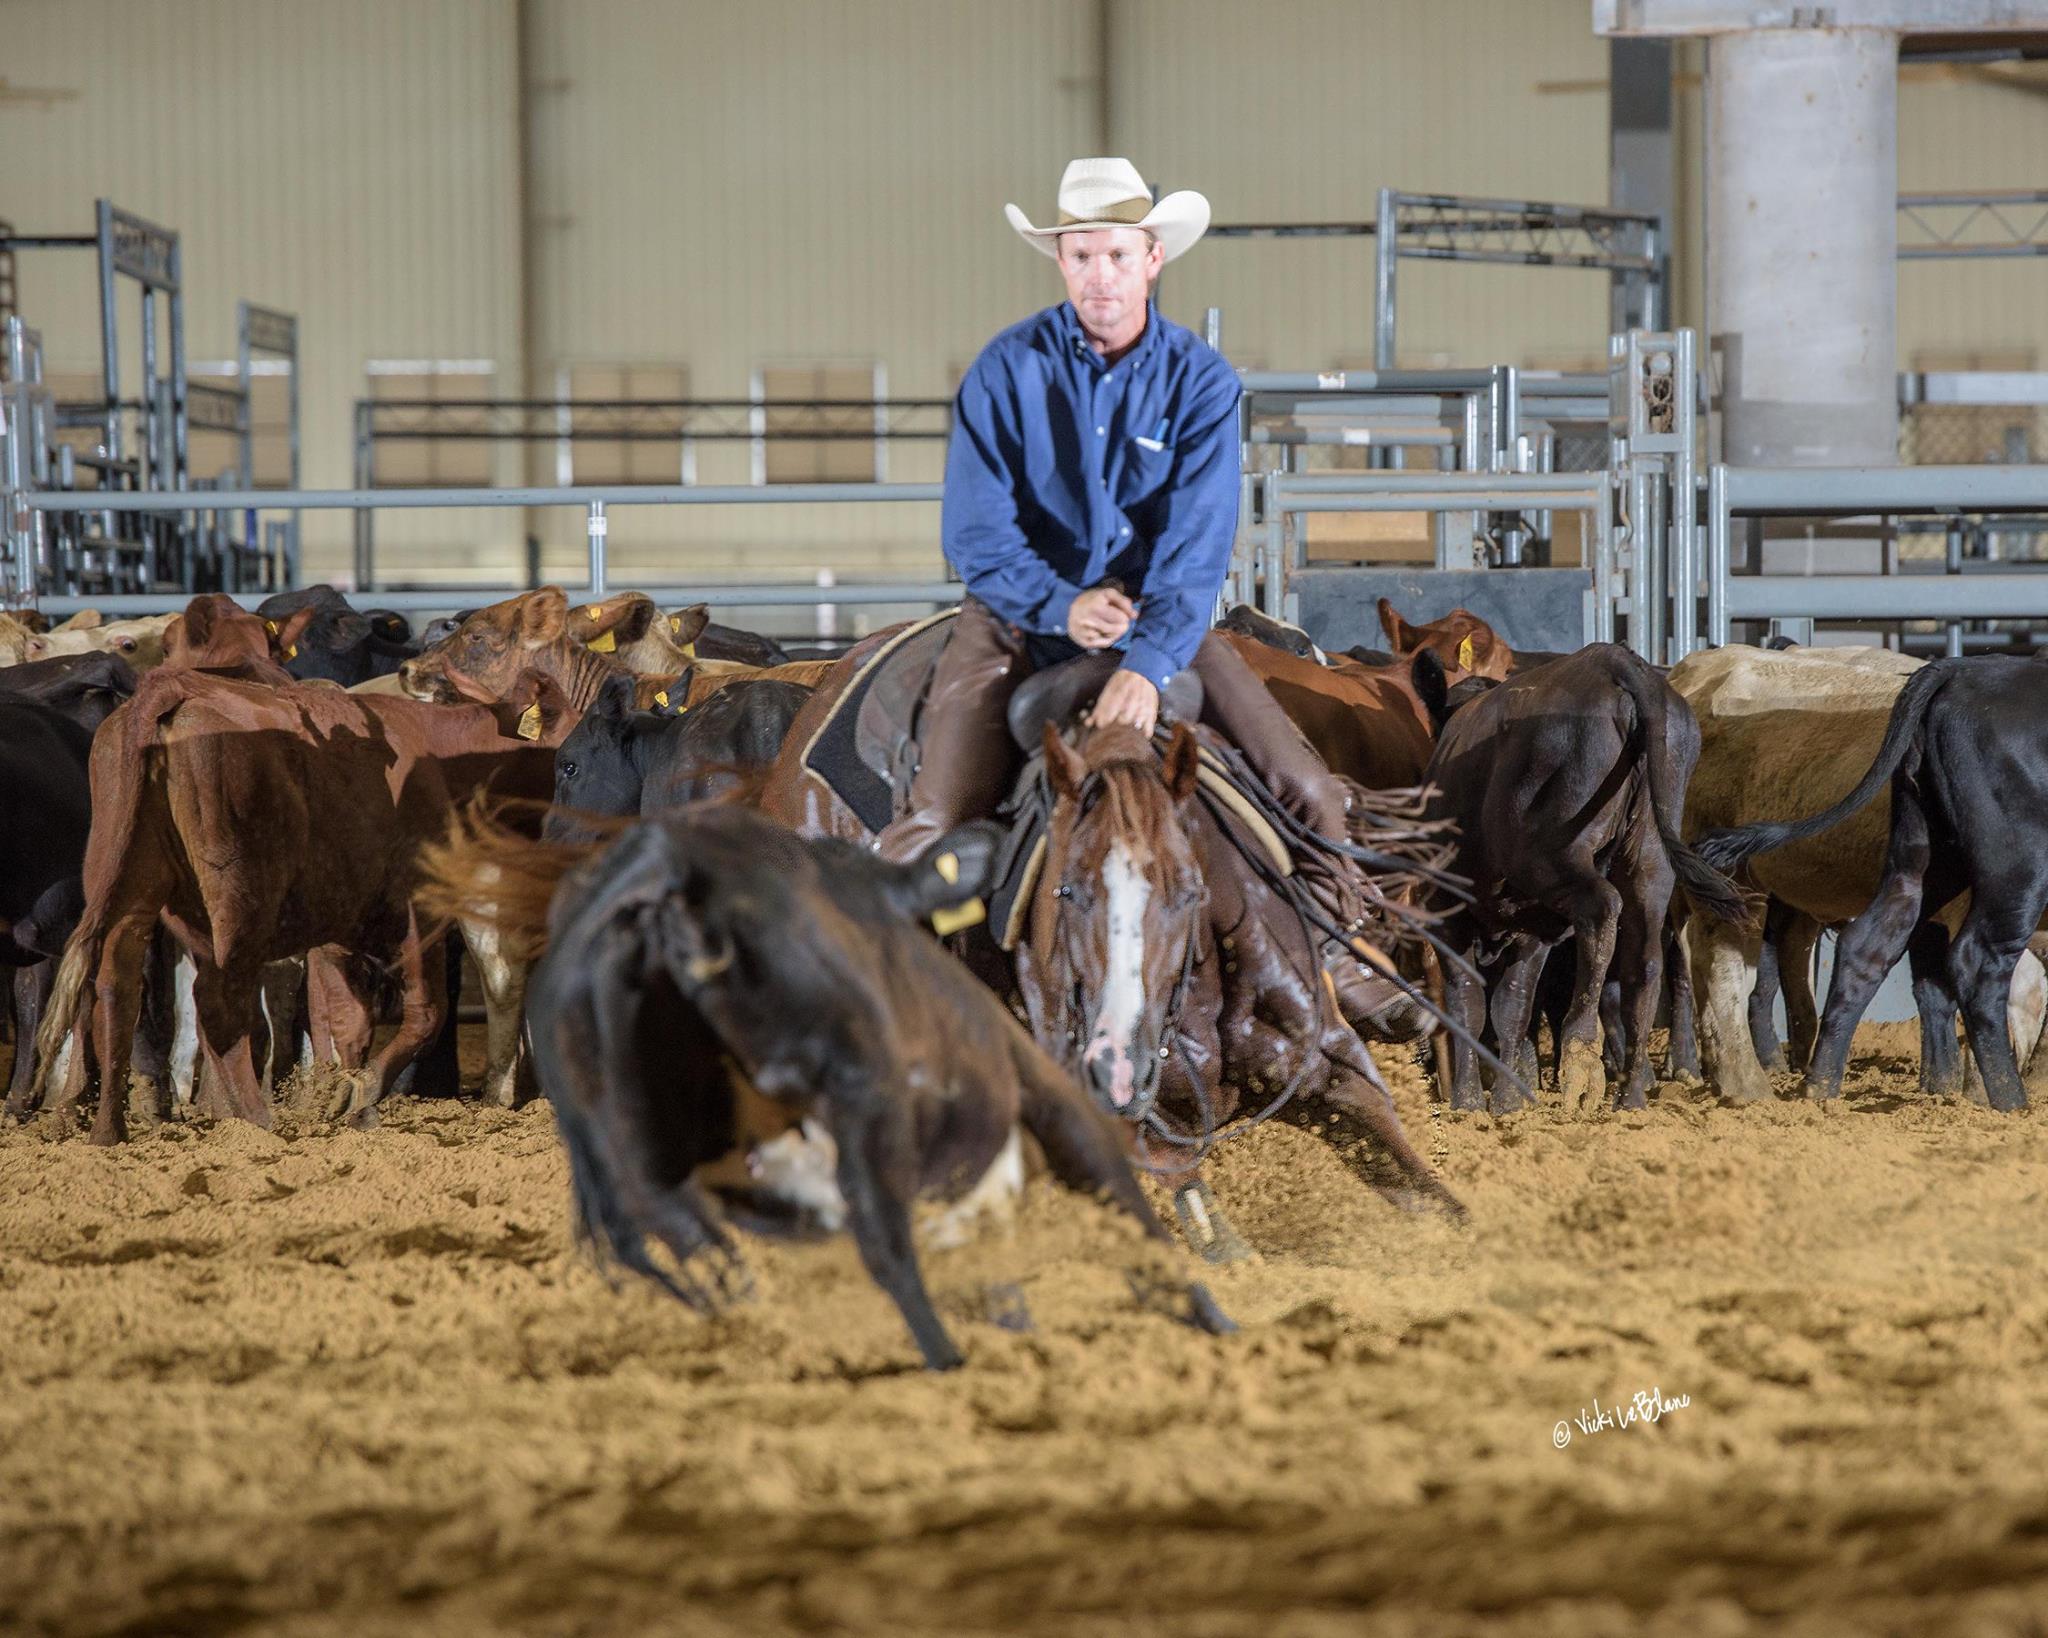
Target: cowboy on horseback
(1091, 500)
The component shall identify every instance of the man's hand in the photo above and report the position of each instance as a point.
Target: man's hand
(1099, 617)
(1130, 698)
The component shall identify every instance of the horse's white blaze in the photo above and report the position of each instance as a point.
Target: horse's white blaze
(1123, 992)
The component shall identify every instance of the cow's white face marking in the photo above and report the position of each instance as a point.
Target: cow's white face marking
(1123, 989)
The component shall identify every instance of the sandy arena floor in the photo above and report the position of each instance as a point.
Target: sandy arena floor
(325, 1382)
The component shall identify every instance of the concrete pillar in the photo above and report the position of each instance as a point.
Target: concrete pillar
(1802, 244)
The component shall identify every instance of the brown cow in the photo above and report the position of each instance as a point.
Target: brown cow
(265, 822)
(484, 656)
(1372, 725)
(1466, 644)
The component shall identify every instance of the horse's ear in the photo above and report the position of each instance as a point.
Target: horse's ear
(1183, 762)
(1400, 635)
(1064, 766)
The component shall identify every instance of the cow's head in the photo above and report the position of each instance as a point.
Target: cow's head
(597, 769)
(1466, 644)
(483, 657)
(139, 642)
(631, 632)
(215, 633)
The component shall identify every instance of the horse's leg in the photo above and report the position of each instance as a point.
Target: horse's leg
(1356, 1087)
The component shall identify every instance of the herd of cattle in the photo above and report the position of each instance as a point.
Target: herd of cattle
(239, 841)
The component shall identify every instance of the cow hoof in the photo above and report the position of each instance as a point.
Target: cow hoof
(1633, 1098)
(1208, 1231)
(1509, 1100)
(1815, 1092)
(1467, 1102)
(365, 1119)
(1581, 1077)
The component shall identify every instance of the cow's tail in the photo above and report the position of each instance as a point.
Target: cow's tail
(1704, 884)
(486, 871)
(1725, 849)
(127, 781)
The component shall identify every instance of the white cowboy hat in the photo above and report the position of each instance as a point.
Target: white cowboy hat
(1109, 193)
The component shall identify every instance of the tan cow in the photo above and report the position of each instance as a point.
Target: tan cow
(139, 642)
(1784, 733)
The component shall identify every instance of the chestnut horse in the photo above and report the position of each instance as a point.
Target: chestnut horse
(1158, 964)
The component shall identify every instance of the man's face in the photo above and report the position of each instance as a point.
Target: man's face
(1108, 273)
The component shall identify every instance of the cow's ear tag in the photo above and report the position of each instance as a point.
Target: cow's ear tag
(1465, 654)
(675, 625)
(529, 722)
(689, 651)
(661, 699)
(270, 626)
(971, 914)
(948, 867)
(604, 642)
(292, 653)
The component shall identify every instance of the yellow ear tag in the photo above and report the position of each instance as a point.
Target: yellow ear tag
(971, 914)
(948, 867)
(1465, 654)
(270, 626)
(689, 651)
(604, 642)
(292, 653)
(529, 723)
(595, 611)
(675, 625)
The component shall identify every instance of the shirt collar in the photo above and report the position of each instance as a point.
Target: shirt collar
(1073, 336)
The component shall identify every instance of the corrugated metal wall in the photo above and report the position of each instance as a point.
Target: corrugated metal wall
(356, 164)
(731, 185)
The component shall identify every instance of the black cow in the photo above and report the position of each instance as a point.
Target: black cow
(1245, 621)
(729, 1011)
(1567, 784)
(84, 687)
(1966, 756)
(45, 818)
(341, 644)
(618, 762)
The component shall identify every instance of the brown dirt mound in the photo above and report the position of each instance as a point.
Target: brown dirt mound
(321, 1381)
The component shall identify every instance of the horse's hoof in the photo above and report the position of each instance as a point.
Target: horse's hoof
(365, 1119)
(1208, 1231)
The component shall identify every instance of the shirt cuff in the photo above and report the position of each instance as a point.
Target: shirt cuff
(1151, 662)
(1052, 613)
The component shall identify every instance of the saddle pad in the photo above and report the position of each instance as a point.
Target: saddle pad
(839, 752)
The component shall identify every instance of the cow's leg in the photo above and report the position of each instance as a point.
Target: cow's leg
(1682, 1053)
(1763, 1000)
(878, 1213)
(423, 1000)
(1724, 961)
(2002, 916)
(437, 1072)
(31, 991)
(117, 1004)
(2029, 1010)
(1513, 1001)
(183, 1057)
(507, 1077)
(1943, 1070)
(1795, 982)
(1465, 1003)
(225, 1000)
(1639, 963)
(1596, 919)
(1871, 944)
(280, 989)
(339, 1018)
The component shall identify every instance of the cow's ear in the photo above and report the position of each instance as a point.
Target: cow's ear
(1400, 635)
(946, 881)
(615, 700)
(603, 626)
(388, 625)
(543, 615)
(293, 628)
(176, 639)
(83, 620)
(685, 626)
(1064, 766)
(1432, 687)
(533, 706)
(1183, 762)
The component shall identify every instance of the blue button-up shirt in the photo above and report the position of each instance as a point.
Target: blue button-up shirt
(1065, 470)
